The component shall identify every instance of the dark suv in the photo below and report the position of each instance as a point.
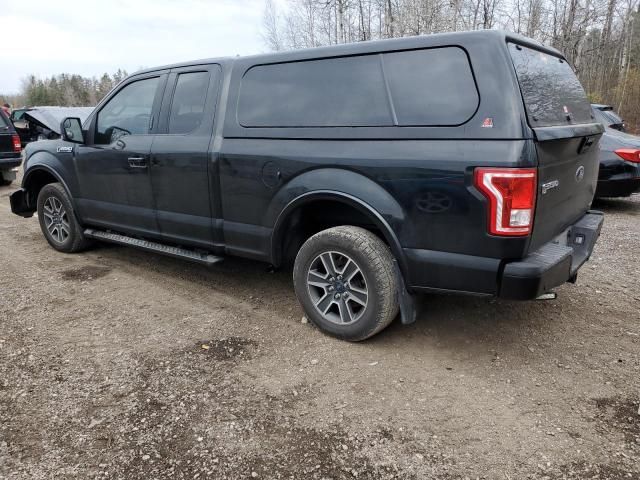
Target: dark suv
(463, 162)
(10, 150)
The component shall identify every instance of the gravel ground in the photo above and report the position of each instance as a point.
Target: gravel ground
(116, 363)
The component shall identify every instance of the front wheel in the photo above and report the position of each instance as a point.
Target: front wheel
(345, 281)
(57, 220)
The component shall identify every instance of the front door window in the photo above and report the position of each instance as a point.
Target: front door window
(128, 112)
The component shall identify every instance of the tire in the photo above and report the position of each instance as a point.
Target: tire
(58, 221)
(356, 305)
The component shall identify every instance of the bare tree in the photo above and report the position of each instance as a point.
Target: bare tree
(598, 37)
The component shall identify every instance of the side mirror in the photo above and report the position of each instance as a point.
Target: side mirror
(71, 130)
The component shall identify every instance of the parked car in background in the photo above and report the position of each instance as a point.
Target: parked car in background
(458, 162)
(619, 174)
(43, 123)
(10, 150)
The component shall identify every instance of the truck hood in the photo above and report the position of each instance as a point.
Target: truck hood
(50, 117)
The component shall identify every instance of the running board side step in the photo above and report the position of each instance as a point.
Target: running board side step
(177, 252)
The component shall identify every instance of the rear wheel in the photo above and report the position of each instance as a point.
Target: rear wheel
(58, 221)
(345, 280)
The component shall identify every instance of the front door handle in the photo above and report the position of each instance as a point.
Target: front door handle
(137, 162)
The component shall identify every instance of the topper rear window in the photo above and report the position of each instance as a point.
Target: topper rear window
(551, 91)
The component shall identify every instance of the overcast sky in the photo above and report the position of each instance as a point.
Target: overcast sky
(45, 37)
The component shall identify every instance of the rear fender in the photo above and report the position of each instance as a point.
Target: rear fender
(343, 186)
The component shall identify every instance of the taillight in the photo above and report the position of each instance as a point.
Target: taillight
(17, 147)
(629, 154)
(511, 193)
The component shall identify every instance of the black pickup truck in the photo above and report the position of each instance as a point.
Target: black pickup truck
(462, 162)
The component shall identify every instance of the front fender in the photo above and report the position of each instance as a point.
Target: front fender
(344, 186)
(44, 161)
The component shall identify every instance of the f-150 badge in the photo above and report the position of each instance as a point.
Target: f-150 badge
(549, 185)
(64, 150)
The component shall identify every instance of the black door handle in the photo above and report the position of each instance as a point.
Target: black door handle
(137, 162)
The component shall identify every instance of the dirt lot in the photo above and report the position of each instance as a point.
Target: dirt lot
(120, 364)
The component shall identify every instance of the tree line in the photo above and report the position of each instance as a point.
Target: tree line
(69, 90)
(600, 38)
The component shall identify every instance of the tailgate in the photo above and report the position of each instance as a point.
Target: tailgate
(566, 138)
(6, 132)
(567, 177)
(6, 141)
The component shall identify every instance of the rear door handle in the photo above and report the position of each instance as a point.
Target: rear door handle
(137, 162)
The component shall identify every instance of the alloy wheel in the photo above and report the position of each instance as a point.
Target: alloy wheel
(337, 287)
(56, 220)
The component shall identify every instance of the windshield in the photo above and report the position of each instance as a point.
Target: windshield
(17, 115)
(551, 91)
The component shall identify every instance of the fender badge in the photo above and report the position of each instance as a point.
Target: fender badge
(64, 149)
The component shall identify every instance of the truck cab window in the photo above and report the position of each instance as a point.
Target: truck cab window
(187, 107)
(128, 112)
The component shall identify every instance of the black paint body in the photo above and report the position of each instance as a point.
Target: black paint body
(232, 190)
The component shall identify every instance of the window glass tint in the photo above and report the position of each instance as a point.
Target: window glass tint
(431, 87)
(187, 107)
(128, 113)
(4, 121)
(318, 93)
(551, 91)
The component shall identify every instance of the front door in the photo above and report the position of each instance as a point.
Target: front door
(182, 171)
(113, 167)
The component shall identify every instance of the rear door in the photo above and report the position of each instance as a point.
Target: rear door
(181, 176)
(567, 139)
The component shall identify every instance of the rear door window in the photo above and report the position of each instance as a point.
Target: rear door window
(187, 106)
(552, 93)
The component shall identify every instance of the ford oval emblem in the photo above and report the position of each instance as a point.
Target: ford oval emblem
(579, 173)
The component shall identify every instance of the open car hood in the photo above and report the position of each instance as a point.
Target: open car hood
(50, 117)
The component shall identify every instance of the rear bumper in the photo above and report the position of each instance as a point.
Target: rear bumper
(9, 162)
(554, 263)
(618, 178)
(620, 187)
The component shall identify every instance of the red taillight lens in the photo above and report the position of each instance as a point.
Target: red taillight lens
(512, 197)
(629, 154)
(16, 143)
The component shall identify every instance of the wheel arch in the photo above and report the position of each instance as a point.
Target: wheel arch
(308, 198)
(39, 175)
